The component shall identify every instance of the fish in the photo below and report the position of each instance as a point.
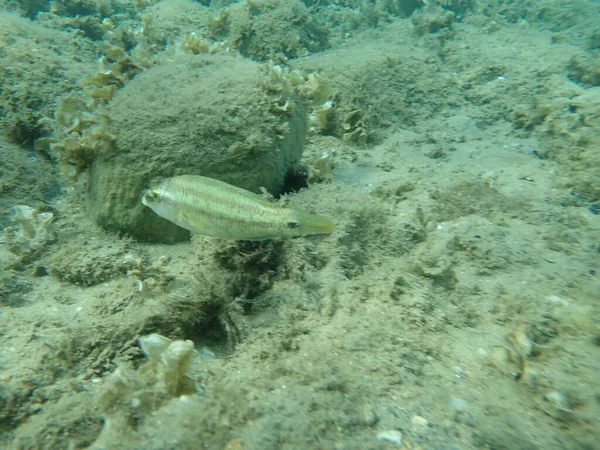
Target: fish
(214, 208)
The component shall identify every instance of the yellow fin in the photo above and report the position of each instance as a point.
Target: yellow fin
(313, 223)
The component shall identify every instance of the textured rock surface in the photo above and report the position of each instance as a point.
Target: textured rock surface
(214, 115)
(36, 63)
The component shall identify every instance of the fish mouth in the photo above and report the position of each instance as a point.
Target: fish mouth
(147, 199)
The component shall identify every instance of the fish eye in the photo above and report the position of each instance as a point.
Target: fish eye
(153, 195)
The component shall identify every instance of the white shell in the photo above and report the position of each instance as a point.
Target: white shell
(154, 345)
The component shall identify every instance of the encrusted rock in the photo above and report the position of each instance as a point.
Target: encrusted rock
(215, 115)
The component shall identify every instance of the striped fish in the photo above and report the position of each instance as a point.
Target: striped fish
(214, 208)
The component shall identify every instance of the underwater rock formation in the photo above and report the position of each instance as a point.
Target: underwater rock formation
(215, 115)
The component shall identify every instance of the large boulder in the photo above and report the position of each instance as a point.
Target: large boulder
(216, 115)
(36, 63)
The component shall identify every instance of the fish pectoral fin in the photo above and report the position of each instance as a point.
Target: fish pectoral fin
(183, 221)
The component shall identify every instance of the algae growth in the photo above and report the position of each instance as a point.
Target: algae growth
(453, 143)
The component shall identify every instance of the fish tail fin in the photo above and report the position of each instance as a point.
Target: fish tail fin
(313, 223)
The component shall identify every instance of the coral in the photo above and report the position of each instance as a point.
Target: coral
(79, 134)
(433, 19)
(166, 371)
(312, 88)
(316, 90)
(585, 68)
(164, 375)
(320, 117)
(321, 169)
(32, 234)
(355, 128)
(195, 44)
(80, 129)
(279, 79)
(264, 30)
(169, 364)
(216, 24)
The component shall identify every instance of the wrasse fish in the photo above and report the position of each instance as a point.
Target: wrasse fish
(214, 208)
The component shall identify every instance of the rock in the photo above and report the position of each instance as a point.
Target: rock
(418, 424)
(37, 62)
(393, 436)
(215, 115)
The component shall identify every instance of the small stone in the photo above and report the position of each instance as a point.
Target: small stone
(558, 406)
(369, 416)
(461, 411)
(234, 444)
(419, 424)
(459, 406)
(391, 436)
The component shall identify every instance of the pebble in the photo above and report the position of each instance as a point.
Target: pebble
(207, 353)
(391, 436)
(558, 406)
(461, 411)
(419, 424)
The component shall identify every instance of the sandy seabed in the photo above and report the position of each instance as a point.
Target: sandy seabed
(455, 306)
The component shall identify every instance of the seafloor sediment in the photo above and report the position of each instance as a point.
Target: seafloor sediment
(454, 144)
